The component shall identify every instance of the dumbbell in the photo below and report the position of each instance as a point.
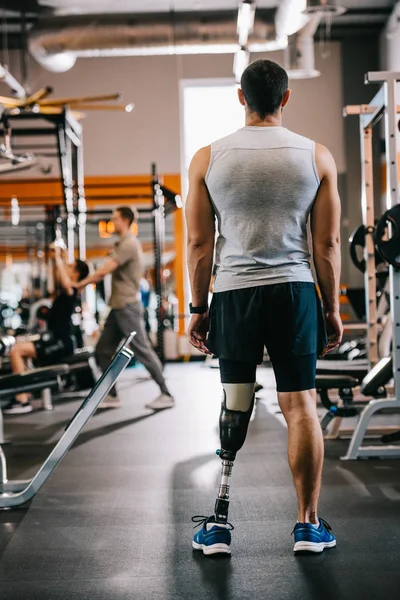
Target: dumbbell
(6, 343)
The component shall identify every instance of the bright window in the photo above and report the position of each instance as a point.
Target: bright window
(210, 110)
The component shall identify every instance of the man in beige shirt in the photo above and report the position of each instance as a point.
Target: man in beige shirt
(126, 267)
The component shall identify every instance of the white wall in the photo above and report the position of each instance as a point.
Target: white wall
(120, 143)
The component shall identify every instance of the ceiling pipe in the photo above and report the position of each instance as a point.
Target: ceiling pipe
(57, 41)
(66, 38)
(290, 17)
(299, 57)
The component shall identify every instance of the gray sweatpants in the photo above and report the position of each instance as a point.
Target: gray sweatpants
(119, 324)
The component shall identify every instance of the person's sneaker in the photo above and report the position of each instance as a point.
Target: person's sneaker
(212, 538)
(110, 402)
(17, 408)
(161, 402)
(312, 539)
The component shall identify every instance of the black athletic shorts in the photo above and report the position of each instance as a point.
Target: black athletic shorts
(51, 350)
(286, 318)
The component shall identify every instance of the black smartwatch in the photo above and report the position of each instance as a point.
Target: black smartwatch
(198, 310)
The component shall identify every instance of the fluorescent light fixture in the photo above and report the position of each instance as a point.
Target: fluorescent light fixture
(245, 21)
(303, 73)
(240, 62)
(277, 44)
(161, 50)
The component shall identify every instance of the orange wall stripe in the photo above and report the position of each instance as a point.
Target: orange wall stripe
(126, 189)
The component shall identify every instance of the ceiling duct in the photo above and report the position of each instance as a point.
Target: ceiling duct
(147, 34)
(324, 6)
(299, 55)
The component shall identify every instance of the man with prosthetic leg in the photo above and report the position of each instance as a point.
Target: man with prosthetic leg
(263, 185)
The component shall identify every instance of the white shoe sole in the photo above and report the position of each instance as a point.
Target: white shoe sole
(214, 549)
(159, 407)
(24, 410)
(313, 546)
(107, 404)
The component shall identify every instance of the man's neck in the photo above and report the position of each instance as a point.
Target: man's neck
(123, 233)
(254, 120)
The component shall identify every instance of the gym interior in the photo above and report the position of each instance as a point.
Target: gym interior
(102, 106)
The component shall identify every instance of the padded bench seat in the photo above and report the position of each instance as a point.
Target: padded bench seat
(335, 382)
(32, 380)
(354, 368)
(79, 356)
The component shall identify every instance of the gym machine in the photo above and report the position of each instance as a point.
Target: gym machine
(80, 375)
(385, 237)
(163, 203)
(67, 133)
(16, 493)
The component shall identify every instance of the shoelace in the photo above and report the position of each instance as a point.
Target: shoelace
(201, 520)
(321, 520)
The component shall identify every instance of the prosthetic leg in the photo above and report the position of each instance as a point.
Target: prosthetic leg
(236, 409)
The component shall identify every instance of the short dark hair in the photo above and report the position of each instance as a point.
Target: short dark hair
(264, 84)
(128, 214)
(81, 268)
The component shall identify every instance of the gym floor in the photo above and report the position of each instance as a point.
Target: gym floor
(114, 521)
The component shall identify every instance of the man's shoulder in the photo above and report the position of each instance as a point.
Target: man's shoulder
(128, 245)
(298, 139)
(129, 241)
(225, 141)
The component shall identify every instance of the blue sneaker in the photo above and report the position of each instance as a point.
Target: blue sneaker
(311, 539)
(212, 538)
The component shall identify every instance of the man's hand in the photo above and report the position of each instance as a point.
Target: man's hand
(55, 248)
(334, 329)
(198, 332)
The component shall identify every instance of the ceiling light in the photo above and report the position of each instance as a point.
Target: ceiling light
(57, 63)
(245, 21)
(277, 44)
(240, 62)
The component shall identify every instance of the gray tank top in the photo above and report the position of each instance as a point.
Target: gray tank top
(262, 182)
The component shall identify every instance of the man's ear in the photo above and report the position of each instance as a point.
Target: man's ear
(241, 97)
(286, 98)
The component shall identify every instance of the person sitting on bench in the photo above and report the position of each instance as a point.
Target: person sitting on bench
(58, 342)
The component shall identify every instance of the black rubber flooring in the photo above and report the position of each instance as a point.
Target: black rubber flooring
(113, 522)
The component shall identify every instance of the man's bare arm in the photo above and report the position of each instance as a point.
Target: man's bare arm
(325, 228)
(109, 266)
(200, 220)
